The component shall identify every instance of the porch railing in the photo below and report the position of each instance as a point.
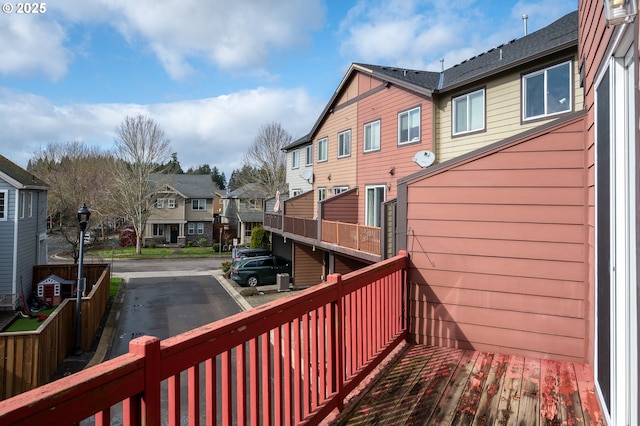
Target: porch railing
(292, 361)
(301, 226)
(352, 235)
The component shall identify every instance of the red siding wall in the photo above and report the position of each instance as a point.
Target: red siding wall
(392, 161)
(498, 249)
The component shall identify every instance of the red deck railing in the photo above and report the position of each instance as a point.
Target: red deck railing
(292, 361)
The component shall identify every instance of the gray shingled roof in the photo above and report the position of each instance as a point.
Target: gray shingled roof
(190, 186)
(423, 79)
(26, 179)
(557, 36)
(248, 191)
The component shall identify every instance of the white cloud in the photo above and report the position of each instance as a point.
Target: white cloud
(216, 131)
(416, 34)
(235, 36)
(32, 45)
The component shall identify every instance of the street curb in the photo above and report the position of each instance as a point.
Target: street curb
(108, 333)
(231, 290)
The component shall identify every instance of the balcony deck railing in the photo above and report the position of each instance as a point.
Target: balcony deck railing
(292, 361)
(352, 235)
(301, 226)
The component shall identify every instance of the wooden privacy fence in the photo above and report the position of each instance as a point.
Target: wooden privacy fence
(30, 359)
(292, 361)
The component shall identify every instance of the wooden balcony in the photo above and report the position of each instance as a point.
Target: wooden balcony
(352, 235)
(292, 361)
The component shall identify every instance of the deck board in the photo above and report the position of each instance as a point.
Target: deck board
(446, 386)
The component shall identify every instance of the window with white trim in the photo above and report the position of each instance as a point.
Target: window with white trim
(23, 201)
(295, 192)
(171, 203)
(295, 159)
(322, 194)
(160, 203)
(547, 92)
(344, 144)
(323, 149)
(374, 197)
(468, 112)
(309, 155)
(200, 228)
(339, 189)
(158, 230)
(191, 228)
(199, 204)
(409, 126)
(372, 136)
(30, 205)
(3, 204)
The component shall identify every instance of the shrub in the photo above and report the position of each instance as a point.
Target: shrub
(202, 242)
(226, 266)
(259, 238)
(216, 247)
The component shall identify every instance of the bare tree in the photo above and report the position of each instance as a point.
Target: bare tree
(141, 145)
(76, 174)
(266, 159)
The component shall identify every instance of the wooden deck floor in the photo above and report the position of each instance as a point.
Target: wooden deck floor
(443, 386)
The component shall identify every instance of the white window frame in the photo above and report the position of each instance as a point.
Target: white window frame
(469, 113)
(322, 193)
(4, 204)
(323, 154)
(201, 204)
(200, 228)
(171, 203)
(339, 189)
(373, 144)
(191, 228)
(23, 201)
(309, 153)
(545, 72)
(344, 144)
(158, 230)
(160, 203)
(295, 159)
(295, 192)
(411, 117)
(30, 205)
(372, 218)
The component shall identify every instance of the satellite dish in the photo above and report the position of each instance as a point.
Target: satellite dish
(424, 158)
(307, 175)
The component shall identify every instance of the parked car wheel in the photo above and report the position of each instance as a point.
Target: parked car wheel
(252, 281)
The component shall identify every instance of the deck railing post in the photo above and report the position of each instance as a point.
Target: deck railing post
(339, 363)
(149, 348)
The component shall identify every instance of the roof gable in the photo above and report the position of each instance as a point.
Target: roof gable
(19, 177)
(188, 186)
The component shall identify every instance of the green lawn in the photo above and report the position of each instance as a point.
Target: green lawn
(157, 252)
(28, 324)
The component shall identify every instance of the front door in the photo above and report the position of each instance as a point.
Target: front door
(174, 234)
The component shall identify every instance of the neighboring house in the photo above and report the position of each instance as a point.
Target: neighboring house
(23, 221)
(299, 166)
(184, 211)
(381, 118)
(243, 210)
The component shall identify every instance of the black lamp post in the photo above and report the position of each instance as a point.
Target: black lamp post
(83, 218)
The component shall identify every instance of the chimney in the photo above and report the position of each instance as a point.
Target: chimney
(524, 22)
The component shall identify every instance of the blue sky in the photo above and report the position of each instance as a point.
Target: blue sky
(211, 73)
